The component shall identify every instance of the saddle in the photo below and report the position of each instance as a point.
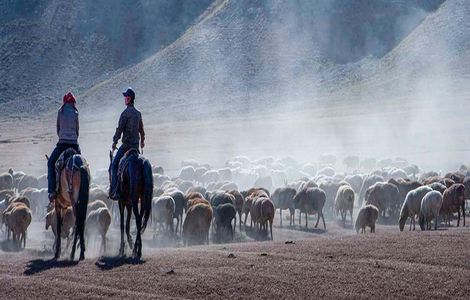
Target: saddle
(124, 162)
(62, 161)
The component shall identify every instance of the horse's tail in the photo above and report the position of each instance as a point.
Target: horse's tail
(83, 193)
(148, 192)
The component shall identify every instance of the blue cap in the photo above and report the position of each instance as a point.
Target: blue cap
(129, 93)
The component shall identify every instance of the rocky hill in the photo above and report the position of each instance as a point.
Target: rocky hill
(246, 55)
(240, 55)
(50, 46)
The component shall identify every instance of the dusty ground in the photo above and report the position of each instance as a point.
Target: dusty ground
(341, 129)
(387, 264)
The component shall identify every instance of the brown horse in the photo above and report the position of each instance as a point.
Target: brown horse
(136, 186)
(73, 192)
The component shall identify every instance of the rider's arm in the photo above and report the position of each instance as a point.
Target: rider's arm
(141, 130)
(78, 125)
(58, 123)
(120, 128)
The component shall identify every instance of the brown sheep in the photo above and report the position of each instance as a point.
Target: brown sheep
(404, 186)
(239, 201)
(23, 200)
(432, 179)
(255, 212)
(457, 177)
(283, 198)
(452, 201)
(250, 195)
(310, 201)
(192, 195)
(68, 223)
(384, 196)
(195, 201)
(367, 216)
(266, 216)
(196, 224)
(17, 220)
(256, 191)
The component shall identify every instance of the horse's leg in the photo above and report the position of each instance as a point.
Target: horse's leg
(82, 239)
(271, 228)
(103, 244)
(138, 222)
(128, 227)
(59, 228)
(177, 223)
(318, 219)
(74, 243)
(121, 212)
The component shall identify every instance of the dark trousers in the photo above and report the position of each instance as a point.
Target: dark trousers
(115, 166)
(51, 176)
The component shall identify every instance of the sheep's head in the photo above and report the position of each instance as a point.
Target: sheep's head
(402, 221)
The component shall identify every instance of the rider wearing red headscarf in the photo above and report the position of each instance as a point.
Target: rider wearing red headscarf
(67, 131)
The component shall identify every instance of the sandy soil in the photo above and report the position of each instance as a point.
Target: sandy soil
(432, 264)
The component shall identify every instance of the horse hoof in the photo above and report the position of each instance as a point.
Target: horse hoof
(82, 257)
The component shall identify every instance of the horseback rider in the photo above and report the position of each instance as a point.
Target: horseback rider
(67, 131)
(130, 126)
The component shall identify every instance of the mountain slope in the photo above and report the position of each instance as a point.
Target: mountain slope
(250, 54)
(48, 47)
(434, 59)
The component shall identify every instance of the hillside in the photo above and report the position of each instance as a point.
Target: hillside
(433, 60)
(245, 55)
(50, 46)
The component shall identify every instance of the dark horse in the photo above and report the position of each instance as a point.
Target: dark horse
(73, 191)
(136, 185)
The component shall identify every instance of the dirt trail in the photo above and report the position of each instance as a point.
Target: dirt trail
(411, 264)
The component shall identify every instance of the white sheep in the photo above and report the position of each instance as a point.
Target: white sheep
(95, 205)
(412, 206)
(344, 202)
(367, 216)
(430, 206)
(97, 223)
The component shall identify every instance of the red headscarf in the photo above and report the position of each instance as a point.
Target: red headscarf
(69, 98)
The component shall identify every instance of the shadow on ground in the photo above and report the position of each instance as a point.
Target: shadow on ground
(109, 263)
(39, 265)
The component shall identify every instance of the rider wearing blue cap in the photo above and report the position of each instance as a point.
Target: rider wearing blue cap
(130, 126)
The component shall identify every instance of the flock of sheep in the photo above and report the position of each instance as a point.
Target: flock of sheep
(208, 202)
